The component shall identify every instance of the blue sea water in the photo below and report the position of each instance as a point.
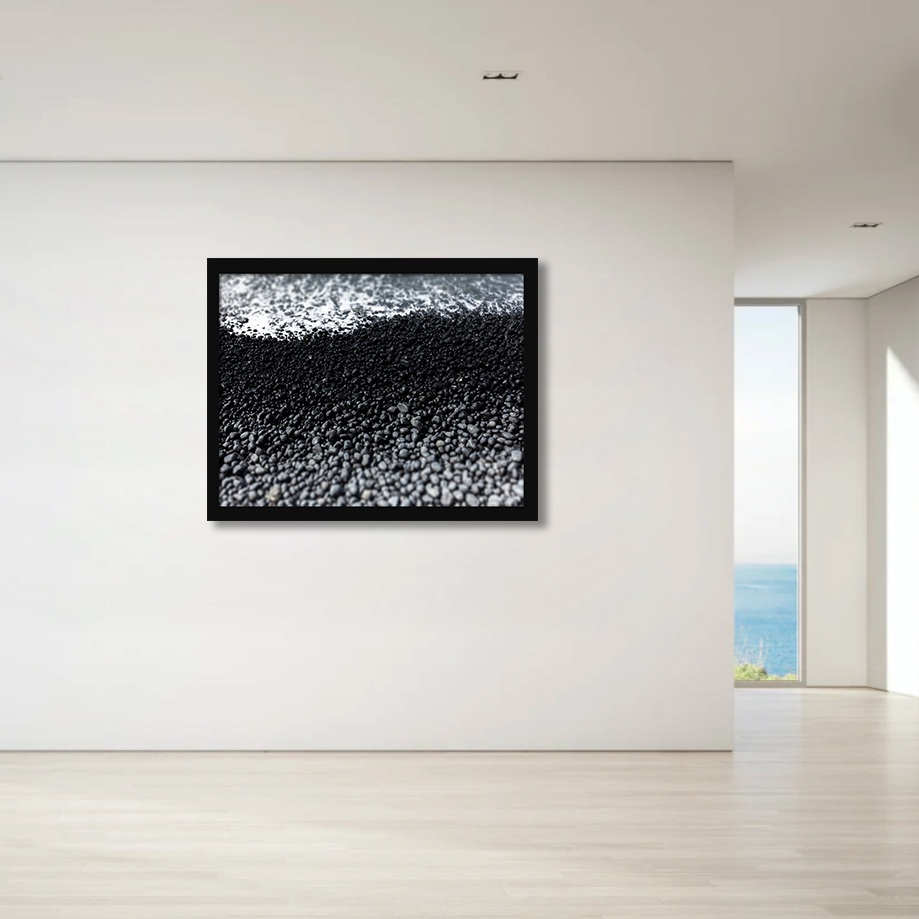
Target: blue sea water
(766, 616)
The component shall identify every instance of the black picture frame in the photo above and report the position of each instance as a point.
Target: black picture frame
(527, 510)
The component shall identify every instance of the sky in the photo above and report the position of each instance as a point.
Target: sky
(766, 434)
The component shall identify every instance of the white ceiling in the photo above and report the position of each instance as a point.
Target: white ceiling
(816, 101)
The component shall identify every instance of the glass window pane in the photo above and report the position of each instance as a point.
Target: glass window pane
(767, 423)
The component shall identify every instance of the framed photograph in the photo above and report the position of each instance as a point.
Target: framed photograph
(372, 389)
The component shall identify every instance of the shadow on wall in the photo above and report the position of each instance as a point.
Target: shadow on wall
(902, 522)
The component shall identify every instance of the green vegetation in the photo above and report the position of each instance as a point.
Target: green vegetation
(749, 665)
(747, 671)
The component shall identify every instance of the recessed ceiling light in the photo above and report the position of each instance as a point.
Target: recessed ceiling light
(864, 226)
(500, 74)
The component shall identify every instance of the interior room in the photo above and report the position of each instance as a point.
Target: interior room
(690, 688)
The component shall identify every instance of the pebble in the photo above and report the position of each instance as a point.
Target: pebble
(304, 409)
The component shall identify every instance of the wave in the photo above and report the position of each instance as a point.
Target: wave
(289, 305)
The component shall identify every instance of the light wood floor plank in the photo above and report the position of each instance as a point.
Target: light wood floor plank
(815, 815)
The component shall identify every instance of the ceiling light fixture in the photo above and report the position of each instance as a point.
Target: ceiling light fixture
(864, 226)
(500, 74)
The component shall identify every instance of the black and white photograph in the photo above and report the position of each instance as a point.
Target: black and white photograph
(367, 389)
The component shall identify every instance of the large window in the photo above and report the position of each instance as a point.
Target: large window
(767, 424)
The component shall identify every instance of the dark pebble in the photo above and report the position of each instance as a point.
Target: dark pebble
(306, 408)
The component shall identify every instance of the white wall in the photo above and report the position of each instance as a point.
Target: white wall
(130, 622)
(835, 584)
(893, 489)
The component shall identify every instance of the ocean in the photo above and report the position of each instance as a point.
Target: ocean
(766, 613)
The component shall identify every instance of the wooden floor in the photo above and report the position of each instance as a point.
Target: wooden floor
(816, 814)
